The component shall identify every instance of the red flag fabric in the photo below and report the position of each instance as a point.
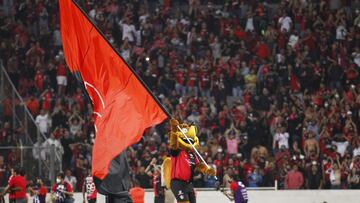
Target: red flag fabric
(123, 107)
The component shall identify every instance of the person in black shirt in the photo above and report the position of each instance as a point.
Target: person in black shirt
(66, 142)
(143, 178)
(314, 180)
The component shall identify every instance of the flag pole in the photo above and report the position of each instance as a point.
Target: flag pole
(116, 51)
(137, 76)
(111, 196)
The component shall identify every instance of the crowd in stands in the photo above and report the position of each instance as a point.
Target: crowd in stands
(273, 85)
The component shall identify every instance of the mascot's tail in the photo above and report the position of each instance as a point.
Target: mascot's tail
(167, 171)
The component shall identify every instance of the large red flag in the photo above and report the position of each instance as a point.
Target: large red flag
(123, 105)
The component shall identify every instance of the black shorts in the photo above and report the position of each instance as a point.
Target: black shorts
(92, 200)
(159, 199)
(183, 191)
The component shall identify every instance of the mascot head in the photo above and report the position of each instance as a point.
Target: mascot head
(182, 142)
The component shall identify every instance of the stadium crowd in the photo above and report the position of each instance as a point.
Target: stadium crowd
(273, 84)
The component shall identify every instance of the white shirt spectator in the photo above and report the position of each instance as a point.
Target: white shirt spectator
(128, 31)
(43, 22)
(143, 18)
(356, 56)
(59, 150)
(249, 25)
(293, 40)
(184, 21)
(216, 49)
(357, 19)
(194, 118)
(341, 147)
(340, 32)
(38, 152)
(43, 122)
(282, 139)
(138, 37)
(356, 152)
(74, 129)
(92, 13)
(57, 37)
(71, 180)
(189, 38)
(285, 23)
(125, 54)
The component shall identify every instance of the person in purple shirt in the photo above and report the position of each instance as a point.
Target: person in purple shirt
(238, 192)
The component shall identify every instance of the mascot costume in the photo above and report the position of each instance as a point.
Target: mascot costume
(180, 167)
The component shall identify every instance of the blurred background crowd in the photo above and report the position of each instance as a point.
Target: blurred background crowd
(272, 84)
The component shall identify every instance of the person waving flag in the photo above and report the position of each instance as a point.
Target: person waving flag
(123, 105)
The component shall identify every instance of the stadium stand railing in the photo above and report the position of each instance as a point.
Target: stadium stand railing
(20, 118)
(27, 151)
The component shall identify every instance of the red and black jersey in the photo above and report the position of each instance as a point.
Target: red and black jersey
(158, 189)
(183, 165)
(90, 188)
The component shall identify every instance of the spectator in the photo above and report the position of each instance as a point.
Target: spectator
(311, 146)
(285, 23)
(294, 178)
(353, 179)
(17, 184)
(89, 188)
(159, 190)
(68, 144)
(143, 178)
(249, 22)
(61, 77)
(335, 174)
(314, 177)
(281, 139)
(75, 123)
(128, 29)
(62, 190)
(37, 152)
(232, 140)
(43, 121)
(58, 148)
(255, 179)
(341, 144)
(356, 147)
(69, 178)
(11, 191)
(38, 191)
(227, 177)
